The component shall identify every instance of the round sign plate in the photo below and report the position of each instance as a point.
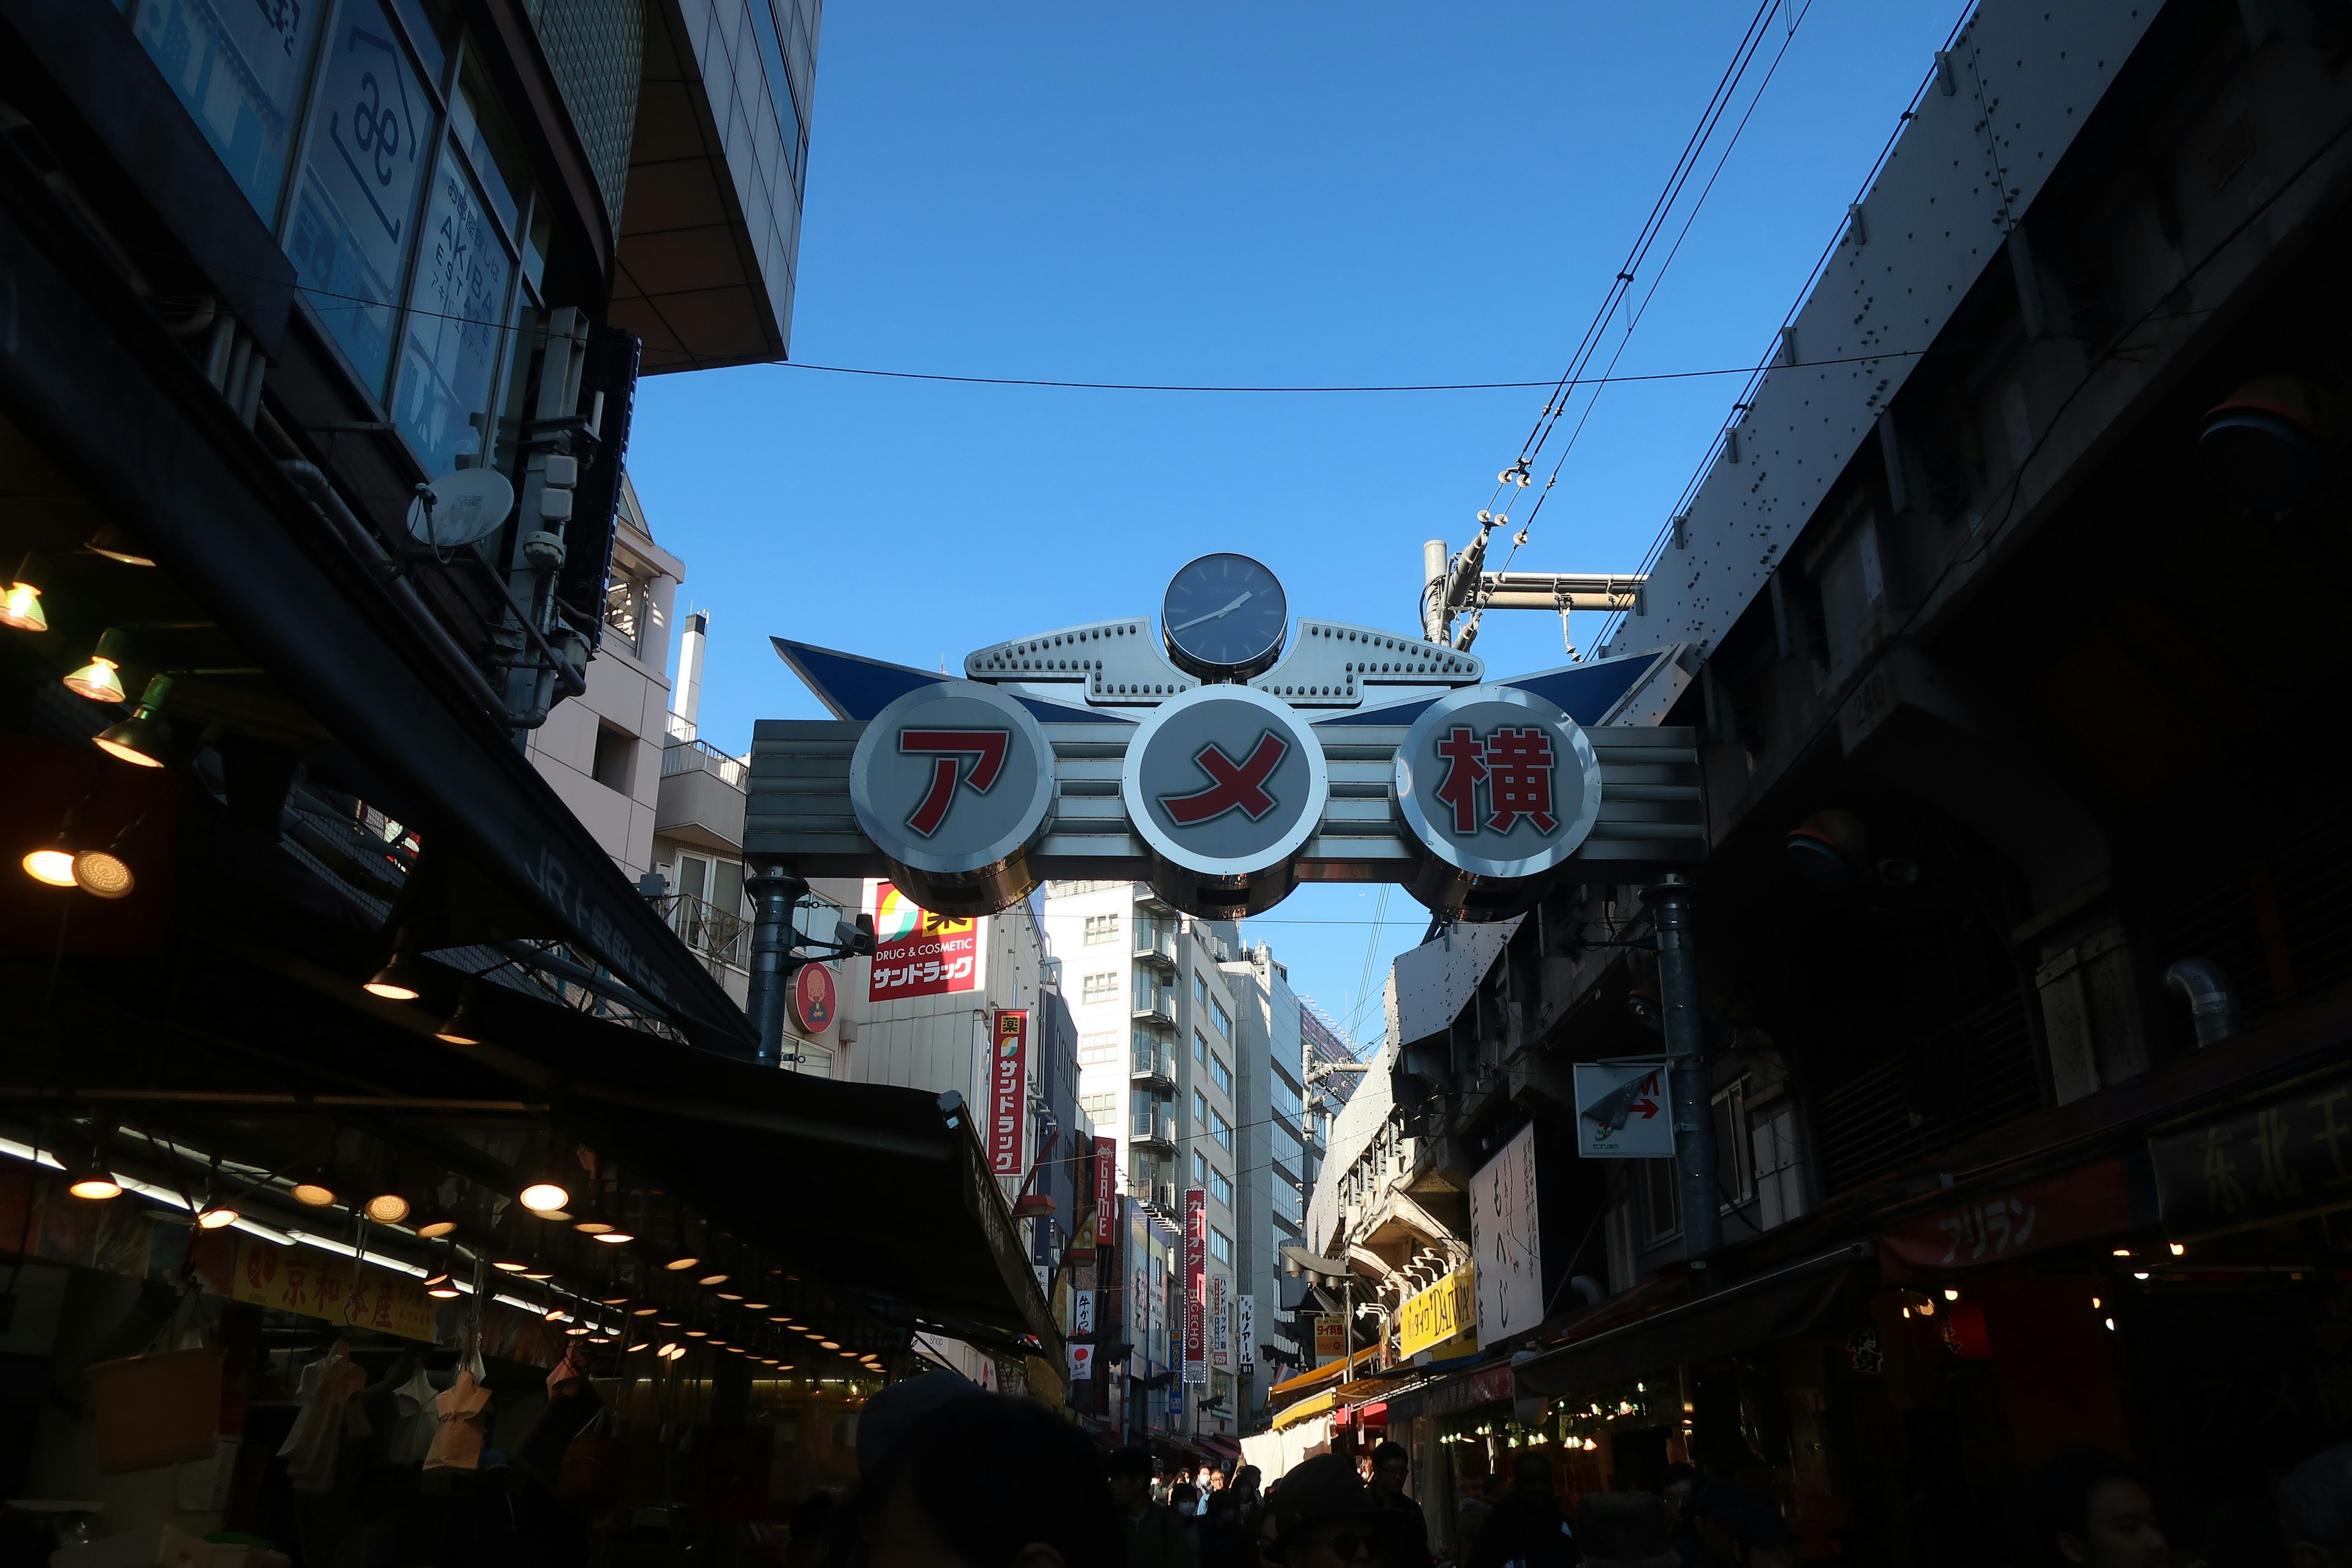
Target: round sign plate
(813, 999)
(1497, 788)
(1225, 786)
(469, 506)
(953, 782)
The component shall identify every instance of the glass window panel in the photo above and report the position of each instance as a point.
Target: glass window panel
(240, 66)
(355, 212)
(482, 135)
(428, 30)
(727, 887)
(1285, 1096)
(456, 308)
(1220, 1074)
(1286, 1150)
(1285, 1201)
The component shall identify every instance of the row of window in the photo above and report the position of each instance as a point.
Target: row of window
(1205, 1115)
(1204, 1174)
(1101, 928)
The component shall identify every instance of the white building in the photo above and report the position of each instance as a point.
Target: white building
(1274, 1168)
(1162, 1057)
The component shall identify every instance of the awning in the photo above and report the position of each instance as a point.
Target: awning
(1327, 1373)
(1759, 1310)
(1290, 1415)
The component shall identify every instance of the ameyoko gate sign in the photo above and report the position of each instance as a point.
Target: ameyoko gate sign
(1220, 770)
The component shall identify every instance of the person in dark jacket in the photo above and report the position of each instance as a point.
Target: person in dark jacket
(1405, 1540)
(1325, 1517)
(1525, 1528)
(1228, 1527)
(1156, 1536)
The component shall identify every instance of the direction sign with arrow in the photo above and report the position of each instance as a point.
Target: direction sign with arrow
(1622, 1112)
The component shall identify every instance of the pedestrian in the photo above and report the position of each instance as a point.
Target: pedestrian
(1734, 1526)
(1156, 1536)
(2314, 1509)
(1526, 1527)
(1229, 1529)
(1625, 1530)
(1325, 1517)
(2086, 1508)
(1470, 1516)
(1406, 1527)
(990, 1482)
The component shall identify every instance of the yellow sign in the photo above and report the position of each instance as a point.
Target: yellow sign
(1446, 1308)
(1330, 1338)
(320, 1285)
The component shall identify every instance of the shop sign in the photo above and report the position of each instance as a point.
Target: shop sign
(1437, 1314)
(1486, 1386)
(1497, 784)
(2078, 1207)
(2276, 1160)
(952, 781)
(917, 953)
(294, 1279)
(1221, 1325)
(1106, 1191)
(1082, 1363)
(1008, 1092)
(1245, 1333)
(1196, 1305)
(813, 1001)
(1082, 1313)
(1330, 1338)
(1226, 783)
(1624, 1111)
(1503, 1244)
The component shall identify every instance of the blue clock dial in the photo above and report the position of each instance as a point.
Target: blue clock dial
(1225, 617)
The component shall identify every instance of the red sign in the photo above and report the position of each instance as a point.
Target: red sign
(812, 998)
(2079, 1206)
(1106, 1191)
(918, 952)
(1008, 1093)
(1196, 1269)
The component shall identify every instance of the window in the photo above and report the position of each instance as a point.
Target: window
(1098, 1049)
(1779, 1182)
(1219, 1128)
(1200, 987)
(1221, 1247)
(1220, 1074)
(1223, 1019)
(239, 69)
(1662, 1215)
(1099, 1107)
(1221, 1187)
(1200, 1169)
(1101, 928)
(1200, 1047)
(1287, 1100)
(1200, 1108)
(1286, 1150)
(1100, 987)
(1138, 1117)
(1286, 1203)
(614, 765)
(624, 613)
(1733, 1173)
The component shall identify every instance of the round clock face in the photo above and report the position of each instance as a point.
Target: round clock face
(1224, 617)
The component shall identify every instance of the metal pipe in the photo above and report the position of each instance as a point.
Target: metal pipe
(2212, 1009)
(361, 542)
(1432, 596)
(1694, 1152)
(776, 892)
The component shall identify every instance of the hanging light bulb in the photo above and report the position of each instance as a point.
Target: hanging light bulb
(543, 1189)
(217, 1214)
(459, 1027)
(115, 545)
(101, 679)
(20, 606)
(446, 1288)
(53, 864)
(434, 1221)
(142, 739)
(614, 1237)
(90, 1176)
(311, 1188)
(388, 1204)
(398, 980)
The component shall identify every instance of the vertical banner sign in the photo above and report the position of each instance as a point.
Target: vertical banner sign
(1245, 1333)
(1082, 1314)
(917, 953)
(1106, 1191)
(1008, 1093)
(1330, 1338)
(1196, 1305)
(1221, 1325)
(1082, 1363)
(1503, 1239)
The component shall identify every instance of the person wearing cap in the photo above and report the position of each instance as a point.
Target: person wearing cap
(1325, 1517)
(1156, 1536)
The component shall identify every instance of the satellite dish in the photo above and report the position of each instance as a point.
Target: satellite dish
(461, 507)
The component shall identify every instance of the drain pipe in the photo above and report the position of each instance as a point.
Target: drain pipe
(2201, 982)
(1689, 1076)
(361, 542)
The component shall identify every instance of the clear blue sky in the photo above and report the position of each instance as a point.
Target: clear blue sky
(1281, 192)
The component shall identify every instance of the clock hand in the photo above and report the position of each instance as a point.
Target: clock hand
(1213, 614)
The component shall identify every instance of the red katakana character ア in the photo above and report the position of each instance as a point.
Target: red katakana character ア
(1518, 778)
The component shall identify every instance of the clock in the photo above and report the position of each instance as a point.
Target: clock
(1224, 617)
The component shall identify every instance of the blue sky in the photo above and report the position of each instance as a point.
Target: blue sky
(1285, 192)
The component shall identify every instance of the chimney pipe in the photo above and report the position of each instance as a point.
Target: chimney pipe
(2212, 1008)
(686, 697)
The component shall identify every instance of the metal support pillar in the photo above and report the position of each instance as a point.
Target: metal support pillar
(1694, 1153)
(776, 892)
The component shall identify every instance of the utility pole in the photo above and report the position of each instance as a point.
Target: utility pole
(1693, 1090)
(778, 952)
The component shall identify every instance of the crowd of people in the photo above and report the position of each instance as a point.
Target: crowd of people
(956, 1478)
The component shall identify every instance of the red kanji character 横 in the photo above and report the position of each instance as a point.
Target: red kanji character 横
(1466, 765)
(1518, 779)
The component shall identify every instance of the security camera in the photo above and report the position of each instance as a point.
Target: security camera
(856, 940)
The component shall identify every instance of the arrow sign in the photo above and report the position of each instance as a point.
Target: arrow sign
(1621, 1111)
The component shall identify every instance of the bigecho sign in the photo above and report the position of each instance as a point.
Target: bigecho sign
(1196, 1305)
(918, 952)
(1008, 1092)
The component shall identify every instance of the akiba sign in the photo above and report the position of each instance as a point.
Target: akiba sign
(1220, 765)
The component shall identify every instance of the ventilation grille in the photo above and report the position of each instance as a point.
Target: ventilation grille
(1942, 1089)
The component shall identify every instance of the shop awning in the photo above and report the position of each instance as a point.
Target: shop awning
(1329, 1372)
(1306, 1409)
(1759, 1310)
